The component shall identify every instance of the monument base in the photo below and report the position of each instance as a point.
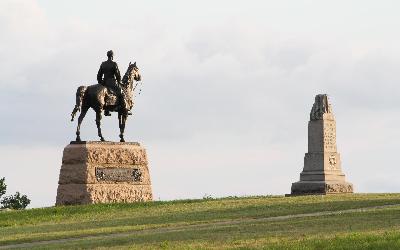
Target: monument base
(102, 193)
(103, 172)
(321, 187)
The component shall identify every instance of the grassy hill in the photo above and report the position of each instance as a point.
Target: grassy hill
(359, 221)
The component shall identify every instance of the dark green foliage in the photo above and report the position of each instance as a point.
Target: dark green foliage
(3, 186)
(16, 201)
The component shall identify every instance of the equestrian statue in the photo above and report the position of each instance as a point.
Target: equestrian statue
(111, 94)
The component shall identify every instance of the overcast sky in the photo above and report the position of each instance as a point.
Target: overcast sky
(227, 89)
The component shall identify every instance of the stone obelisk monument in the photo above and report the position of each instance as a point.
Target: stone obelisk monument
(322, 172)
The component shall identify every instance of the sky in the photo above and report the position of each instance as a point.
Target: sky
(226, 94)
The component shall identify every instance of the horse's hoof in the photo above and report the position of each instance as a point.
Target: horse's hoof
(102, 139)
(122, 140)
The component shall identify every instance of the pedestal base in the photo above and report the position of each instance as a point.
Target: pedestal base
(69, 194)
(103, 172)
(321, 187)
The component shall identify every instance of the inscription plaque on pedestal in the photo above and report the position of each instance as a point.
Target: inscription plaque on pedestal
(322, 172)
(118, 174)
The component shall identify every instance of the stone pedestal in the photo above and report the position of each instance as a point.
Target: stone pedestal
(322, 172)
(103, 172)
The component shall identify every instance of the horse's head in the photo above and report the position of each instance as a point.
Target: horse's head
(136, 74)
(132, 73)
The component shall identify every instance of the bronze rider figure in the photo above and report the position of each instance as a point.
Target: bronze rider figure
(112, 80)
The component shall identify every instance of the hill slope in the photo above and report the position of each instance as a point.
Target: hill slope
(357, 221)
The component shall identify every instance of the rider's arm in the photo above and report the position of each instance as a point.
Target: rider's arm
(117, 74)
(100, 75)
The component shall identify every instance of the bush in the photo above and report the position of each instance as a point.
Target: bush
(16, 201)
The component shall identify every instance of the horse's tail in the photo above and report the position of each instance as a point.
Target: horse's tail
(80, 94)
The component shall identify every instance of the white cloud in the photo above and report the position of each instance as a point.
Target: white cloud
(225, 100)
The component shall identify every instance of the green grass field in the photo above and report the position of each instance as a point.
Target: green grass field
(359, 221)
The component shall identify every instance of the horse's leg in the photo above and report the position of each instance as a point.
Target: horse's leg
(122, 120)
(119, 122)
(98, 119)
(80, 119)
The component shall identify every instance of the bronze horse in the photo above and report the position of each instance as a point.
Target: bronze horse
(99, 98)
